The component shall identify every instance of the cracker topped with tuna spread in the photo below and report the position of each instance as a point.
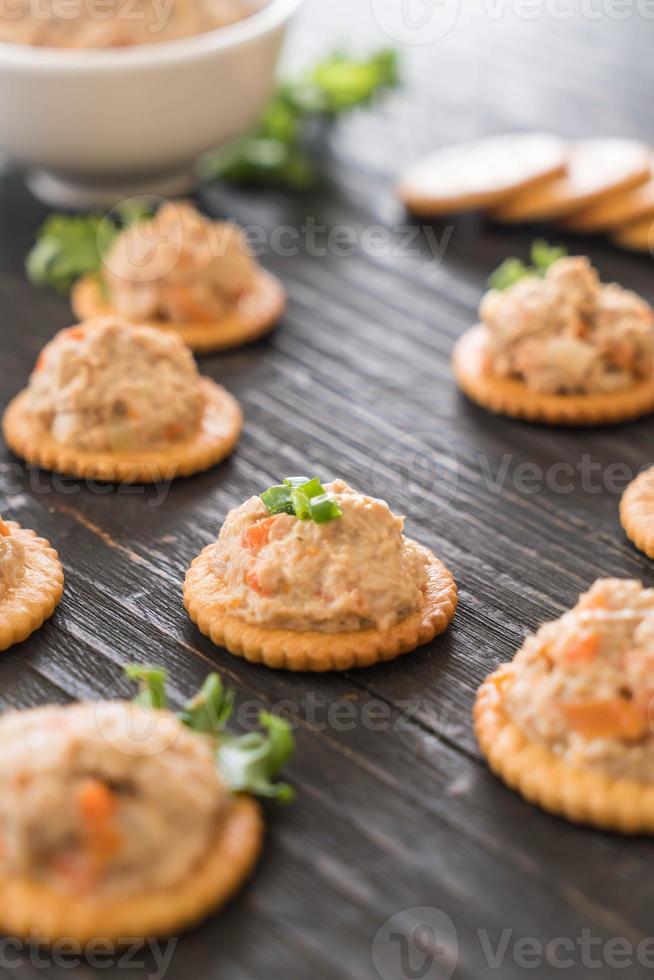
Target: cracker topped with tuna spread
(568, 723)
(125, 819)
(183, 273)
(313, 577)
(556, 345)
(111, 401)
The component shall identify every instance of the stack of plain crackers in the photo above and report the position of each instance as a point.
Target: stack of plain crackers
(591, 186)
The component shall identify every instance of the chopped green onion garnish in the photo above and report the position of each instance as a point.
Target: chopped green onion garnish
(278, 500)
(513, 270)
(544, 255)
(324, 508)
(152, 685)
(211, 707)
(249, 763)
(303, 497)
(296, 481)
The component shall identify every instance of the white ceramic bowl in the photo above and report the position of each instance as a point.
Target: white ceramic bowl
(93, 127)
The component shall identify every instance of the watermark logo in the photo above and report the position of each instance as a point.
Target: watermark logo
(420, 468)
(416, 21)
(416, 944)
(135, 731)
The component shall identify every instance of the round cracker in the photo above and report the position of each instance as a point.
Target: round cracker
(597, 169)
(618, 209)
(29, 908)
(216, 437)
(255, 315)
(482, 173)
(36, 593)
(312, 650)
(637, 512)
(583, 796)
(509, 396)
(637, 236)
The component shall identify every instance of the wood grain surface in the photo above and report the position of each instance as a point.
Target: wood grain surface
(395, 809)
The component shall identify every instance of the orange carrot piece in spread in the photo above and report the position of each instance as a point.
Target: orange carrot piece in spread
(98, 805)
(612, 718)
(257, 535)
(4, 530)
(97, 802)
(76, 333)
(584, 650)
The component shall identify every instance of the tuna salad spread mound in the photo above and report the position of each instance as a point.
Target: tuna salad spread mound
(178, 266)
(106, 385)
(123, 819)
(313, 577)
(583, 685)
(350, 573)
(183, 272)
(96, 797)
(565, 332)
(113, 23)
(114, 401)
(568, 723)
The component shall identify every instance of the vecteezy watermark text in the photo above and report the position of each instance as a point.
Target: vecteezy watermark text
(152, 957)
(423, 944)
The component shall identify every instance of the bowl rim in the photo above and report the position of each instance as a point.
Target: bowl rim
(30, 58)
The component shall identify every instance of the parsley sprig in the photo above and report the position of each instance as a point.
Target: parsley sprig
(275, 152)
(513, 270)
(69, 247)
(247, 763)
(303, 497)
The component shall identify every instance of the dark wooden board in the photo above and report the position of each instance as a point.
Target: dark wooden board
(395, 809)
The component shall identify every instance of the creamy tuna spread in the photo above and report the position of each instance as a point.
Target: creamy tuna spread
(583, 685)
(107, 385)
(105, 797)
(351, 573)
(113, 23)
(12, 559)
(568, 333)
(178, 266)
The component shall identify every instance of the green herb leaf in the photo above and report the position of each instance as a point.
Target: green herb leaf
(513, 270)
(249, 763)
(69, 247)
(152, 685)
(274, 154)
(210, 709)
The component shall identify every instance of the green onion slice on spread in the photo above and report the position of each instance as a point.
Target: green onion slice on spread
(303, 497)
